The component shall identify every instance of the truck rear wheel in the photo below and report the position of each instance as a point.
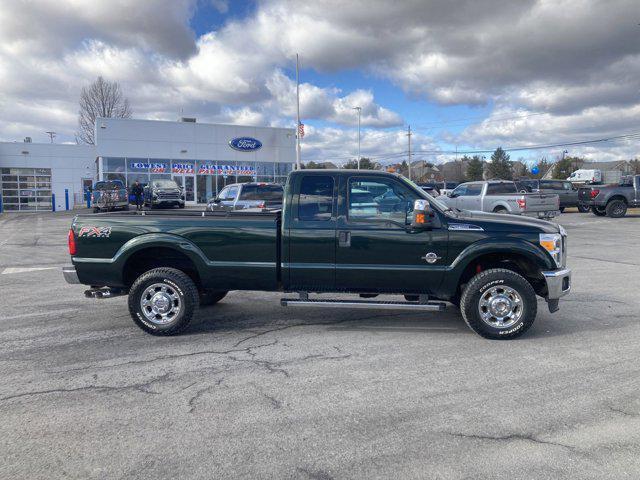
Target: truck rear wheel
(501, 210)
(499, 304)
(616, 209)
(162, 301)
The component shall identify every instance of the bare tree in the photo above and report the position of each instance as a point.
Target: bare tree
(102, 99)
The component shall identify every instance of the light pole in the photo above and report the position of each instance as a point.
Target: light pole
(359, 109)
(297, 114)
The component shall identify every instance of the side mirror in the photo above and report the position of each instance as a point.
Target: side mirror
(423, 215)
(452, 194)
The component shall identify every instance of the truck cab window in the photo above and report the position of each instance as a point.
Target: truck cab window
(379, 199)
(473, 190)
(316, 198)
(501, 188)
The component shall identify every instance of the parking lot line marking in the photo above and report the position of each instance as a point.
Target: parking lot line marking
(25, 269)
(39, 314)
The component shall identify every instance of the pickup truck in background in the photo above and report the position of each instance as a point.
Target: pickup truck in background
(242, 196)
(501, 196)
(341, 231)
(163, 192)
(109, 195)
(567, 192)
(612, 200)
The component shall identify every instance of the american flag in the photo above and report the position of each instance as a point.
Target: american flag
(301, 130)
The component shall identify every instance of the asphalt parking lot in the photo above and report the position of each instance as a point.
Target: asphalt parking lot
(256, 391)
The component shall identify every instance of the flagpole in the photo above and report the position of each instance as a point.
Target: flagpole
(298, 115)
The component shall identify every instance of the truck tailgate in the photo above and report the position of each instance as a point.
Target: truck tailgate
(541, 202)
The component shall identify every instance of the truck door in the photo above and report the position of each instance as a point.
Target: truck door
(375, 251)
(469, 197)
(311, 240)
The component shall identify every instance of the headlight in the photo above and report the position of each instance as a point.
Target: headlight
(552, 243)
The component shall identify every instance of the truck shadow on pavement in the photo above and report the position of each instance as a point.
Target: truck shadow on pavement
(231, 318)
(223, 317)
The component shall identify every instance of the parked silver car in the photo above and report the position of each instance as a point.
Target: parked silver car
(242, 196)
(501, 196)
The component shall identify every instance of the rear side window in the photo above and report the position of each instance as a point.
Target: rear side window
(552, 185)
(316, 198)
(501, 188)
(261, 192)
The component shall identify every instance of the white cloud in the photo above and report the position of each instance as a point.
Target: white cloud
(577, 61)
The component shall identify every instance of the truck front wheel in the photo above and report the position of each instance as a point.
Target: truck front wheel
(499, 304)
(162, 301)
(599, 211)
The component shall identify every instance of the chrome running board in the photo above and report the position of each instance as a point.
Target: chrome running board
(301, 302)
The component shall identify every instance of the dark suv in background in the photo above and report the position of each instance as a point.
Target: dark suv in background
(163, 192)
(567, 193)
(242, 196)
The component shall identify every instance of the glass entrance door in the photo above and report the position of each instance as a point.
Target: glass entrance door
(190, 189)
(188, 184)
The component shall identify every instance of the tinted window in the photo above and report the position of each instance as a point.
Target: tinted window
(261, 192)
(501, 188)
(546, 184)
(379, 199)
(316, 198)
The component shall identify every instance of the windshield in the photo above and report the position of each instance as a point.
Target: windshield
(110, 185)
(434, 201)
(164, 184)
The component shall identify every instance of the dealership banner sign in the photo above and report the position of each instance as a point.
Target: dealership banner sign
(226, 170)
(183, 168)
(154, 167)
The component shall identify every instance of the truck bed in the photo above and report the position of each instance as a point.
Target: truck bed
(241, 247)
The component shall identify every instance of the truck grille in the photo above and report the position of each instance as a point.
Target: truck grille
(168, 196)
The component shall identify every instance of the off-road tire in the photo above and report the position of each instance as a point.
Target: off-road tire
(211, 297)
(582, 208)
(599, 211)
(178, 281)
(616, 209)
(470, 299)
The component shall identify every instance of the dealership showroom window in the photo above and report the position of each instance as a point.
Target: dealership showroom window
(201, 179)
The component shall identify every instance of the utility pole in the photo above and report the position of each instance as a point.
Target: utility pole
(298, 114)
(409, 139)
(359, 109)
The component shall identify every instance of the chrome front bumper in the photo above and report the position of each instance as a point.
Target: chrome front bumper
(558, 283)
(70, 274)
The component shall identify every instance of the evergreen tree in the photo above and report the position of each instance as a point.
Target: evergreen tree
(500, 167)
(475, 169)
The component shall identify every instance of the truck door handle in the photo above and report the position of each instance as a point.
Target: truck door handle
(344, 238)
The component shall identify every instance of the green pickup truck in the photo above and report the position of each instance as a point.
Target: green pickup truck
(340, 231)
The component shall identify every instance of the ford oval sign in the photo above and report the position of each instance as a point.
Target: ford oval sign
(245, 144)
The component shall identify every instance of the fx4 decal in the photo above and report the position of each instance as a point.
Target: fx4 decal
(97, 232)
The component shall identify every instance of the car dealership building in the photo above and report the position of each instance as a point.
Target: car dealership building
(200, 157)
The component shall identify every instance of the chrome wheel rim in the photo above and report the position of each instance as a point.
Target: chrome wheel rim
(500, 307)
(160, 303)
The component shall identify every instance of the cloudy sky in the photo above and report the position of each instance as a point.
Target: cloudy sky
(465, 74)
